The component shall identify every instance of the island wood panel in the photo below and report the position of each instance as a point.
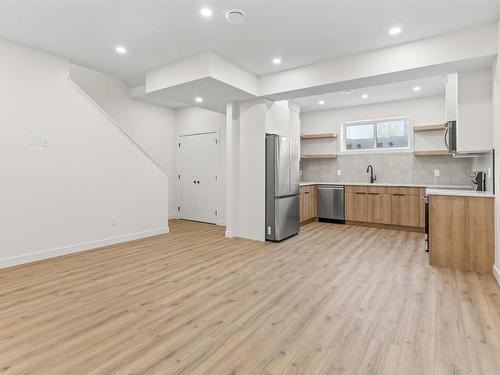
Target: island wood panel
(461, 234)
(447, 241)
(480, 220)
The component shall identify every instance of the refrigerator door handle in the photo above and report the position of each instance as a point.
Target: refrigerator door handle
(446, 136)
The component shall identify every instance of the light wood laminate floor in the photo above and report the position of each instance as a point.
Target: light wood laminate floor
(332, 300)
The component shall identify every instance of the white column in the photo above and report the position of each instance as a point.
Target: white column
(232, 161)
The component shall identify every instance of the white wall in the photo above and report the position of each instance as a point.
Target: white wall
(422, 111)
(62, 198)
(198, 120)
(246, 159)
(496, 146)
(151, 126)
(251, 206)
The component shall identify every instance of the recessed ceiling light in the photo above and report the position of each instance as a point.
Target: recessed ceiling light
(198, 99)
(276, 61)
(206, 12)
(417, 88)
(321, 102)
(364, 96)
(395, 30)
(235, 16)
(121, 50)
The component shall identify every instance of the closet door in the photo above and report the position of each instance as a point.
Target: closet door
(198, 185)
(207, 177)
(188, 170)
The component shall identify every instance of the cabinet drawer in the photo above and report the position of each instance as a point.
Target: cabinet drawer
(307, 188)
(378, 189)
(405, 190)
(355, 189)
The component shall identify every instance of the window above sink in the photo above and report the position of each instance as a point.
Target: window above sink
(389, 134)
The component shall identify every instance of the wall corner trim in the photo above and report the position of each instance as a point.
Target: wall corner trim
(230, 233)
(496, 273)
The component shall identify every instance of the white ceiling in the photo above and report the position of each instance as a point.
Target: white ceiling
(160, 32)
(430, 86)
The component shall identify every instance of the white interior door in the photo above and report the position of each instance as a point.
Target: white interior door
(198, 185)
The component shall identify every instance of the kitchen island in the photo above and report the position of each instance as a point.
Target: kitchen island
(461, 229)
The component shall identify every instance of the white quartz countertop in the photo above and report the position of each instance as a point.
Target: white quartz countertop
(461, 187)
(460, 193)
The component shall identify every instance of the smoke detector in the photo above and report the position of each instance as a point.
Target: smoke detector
(235, 16)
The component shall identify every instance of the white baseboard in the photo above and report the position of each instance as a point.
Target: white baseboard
(75, 248)
(496, 273)
(230, 233)
(175, 215)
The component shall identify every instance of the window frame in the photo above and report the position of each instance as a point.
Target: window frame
(343, 137)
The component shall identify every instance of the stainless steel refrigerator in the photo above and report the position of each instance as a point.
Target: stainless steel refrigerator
(282, 187)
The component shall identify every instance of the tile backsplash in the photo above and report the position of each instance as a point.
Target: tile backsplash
(403, 168)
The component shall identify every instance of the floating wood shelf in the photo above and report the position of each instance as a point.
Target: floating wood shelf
(318, 136)
(426, 128)
(319, 156)
(431, 153)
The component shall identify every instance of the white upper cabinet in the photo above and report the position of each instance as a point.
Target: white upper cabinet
(468, 102)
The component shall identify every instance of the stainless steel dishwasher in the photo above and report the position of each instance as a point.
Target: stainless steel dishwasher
(331, 203)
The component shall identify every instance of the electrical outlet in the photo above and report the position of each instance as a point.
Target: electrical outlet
(436, 172)
(34, 140)
(113, 220)
(339, 172)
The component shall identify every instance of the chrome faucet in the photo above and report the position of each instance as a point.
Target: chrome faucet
(372, 177)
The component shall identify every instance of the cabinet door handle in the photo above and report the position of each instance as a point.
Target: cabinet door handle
(307, 192)
(374, 193)
(360, 193)
(398, 194)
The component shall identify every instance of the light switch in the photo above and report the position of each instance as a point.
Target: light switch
(436, 172)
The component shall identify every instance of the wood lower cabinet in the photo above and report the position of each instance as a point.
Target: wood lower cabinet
(405, 209)
(379, 208)
(308, 203)
(385, 205)
(356, 206)
(461, 233)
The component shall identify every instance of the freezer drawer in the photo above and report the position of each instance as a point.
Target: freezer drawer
(331, 202)
(285, 220)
